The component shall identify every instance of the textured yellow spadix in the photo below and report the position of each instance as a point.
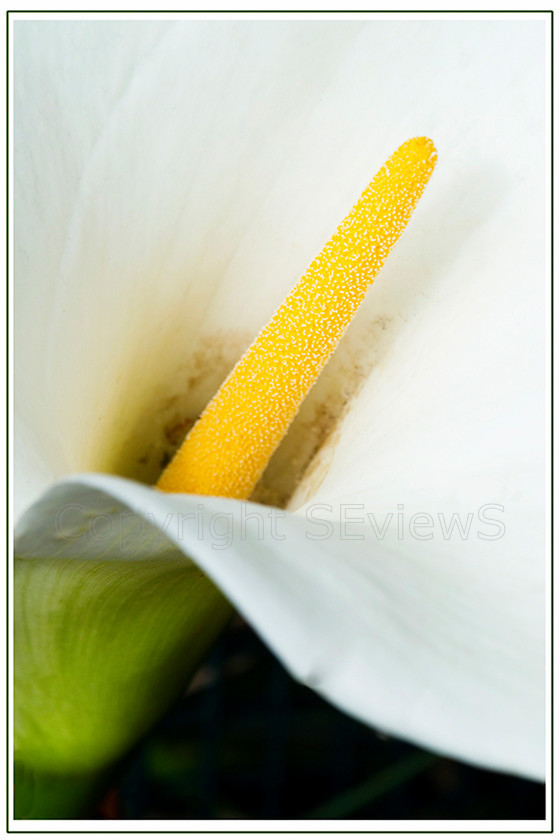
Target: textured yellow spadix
(227, 450)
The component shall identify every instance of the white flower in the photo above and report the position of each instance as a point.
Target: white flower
(173, 181)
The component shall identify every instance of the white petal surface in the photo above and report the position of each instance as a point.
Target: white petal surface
(173, 182)
(422, 647)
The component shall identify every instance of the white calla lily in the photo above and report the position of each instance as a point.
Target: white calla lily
(173, 181)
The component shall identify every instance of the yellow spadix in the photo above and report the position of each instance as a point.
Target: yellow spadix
(229, 447)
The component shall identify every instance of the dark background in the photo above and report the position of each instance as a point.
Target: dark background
(247, 742)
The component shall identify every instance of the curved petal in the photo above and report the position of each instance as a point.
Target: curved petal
(421, 646)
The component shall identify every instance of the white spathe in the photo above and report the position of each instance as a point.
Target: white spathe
(173, 181)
